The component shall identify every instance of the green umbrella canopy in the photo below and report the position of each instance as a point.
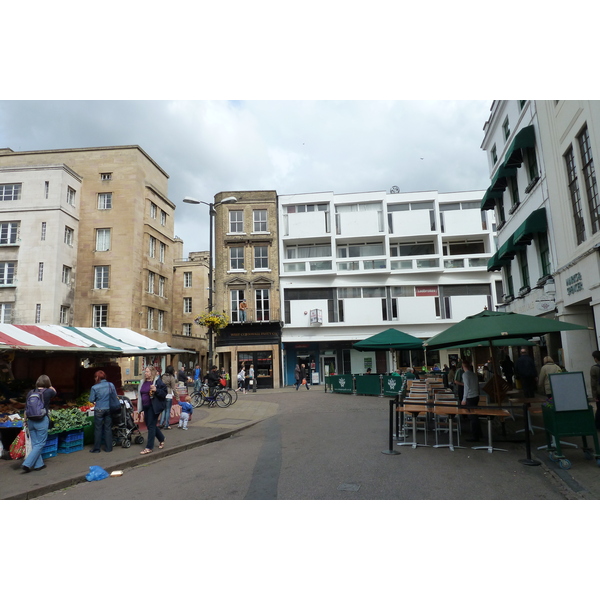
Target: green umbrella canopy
(499, 343)
(492, 325)
(390, 339)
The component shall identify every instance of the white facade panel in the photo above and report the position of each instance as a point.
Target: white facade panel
(362, 311)
(358, 224)
(462, 222)
(416, 309)
(465, 306)
(300, 312)
(306, 225)
(413, 222)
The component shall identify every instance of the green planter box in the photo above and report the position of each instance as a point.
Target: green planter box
(569, 422)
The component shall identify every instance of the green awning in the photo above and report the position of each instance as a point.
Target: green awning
(508, 249)
(514, 155)
(497, 187)
(535, 223)
(495, 263)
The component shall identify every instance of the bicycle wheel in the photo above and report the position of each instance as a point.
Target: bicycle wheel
(233, 395)
(222, 398)
(197, 399)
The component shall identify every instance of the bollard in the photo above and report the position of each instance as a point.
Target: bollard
(390, 449)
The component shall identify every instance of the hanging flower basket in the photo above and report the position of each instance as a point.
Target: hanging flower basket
(213, 320)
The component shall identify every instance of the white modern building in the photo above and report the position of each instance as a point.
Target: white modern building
(353, 265)
(544, 193)
(39, 227)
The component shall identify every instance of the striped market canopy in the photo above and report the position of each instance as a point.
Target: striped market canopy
(111, 340)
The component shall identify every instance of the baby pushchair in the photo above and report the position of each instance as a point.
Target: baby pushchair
(124, 429)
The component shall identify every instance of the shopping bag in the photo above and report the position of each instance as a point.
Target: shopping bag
(518, 384)
(27, 440)
(96, 474)
(304, 382)
(17, 448)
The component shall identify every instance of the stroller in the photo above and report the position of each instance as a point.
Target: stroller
(124, 427)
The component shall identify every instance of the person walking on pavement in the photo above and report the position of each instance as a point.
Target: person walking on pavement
(549, 368)
(103, 394)
(152, 393)
(170, 381)
(301, 379)
(38, 428)
(471, 398)
(595, 377)
(241, 380)
(526, 373)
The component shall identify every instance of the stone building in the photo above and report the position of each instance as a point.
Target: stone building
(247, 284)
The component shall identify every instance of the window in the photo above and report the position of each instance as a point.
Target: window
(161, 286)
(506, 129)
(43, 234)
(8, 232)
(359, 250)
(105, 201)
(187, 279)
(464, 247)
(153, 209)
(100, 315)
(38, 313)
(236, 297)
(102, 240)
(522, 104)
(544, 252)
(64, 315)
(46, 189)
(589, 175)
(574, 193)
(69, 236)
(101, 278)
(187, 329)
(260, 220)
(262, 305)
(531, 162)
(163, 217)
(416, 249)
(236, 221)
(70, 196)
(161, 320)
(494, 153)
(10, 191)
(7, 273)
(150, 321)
(524, 269)
(261, 257)
(514, 191)
(151, 278)
(152, 247)
(105, 176)
(187, 305)
(66, 274)
(308, 251)
(6, 310)
(41, 271)
(236, 259)
(162, 250)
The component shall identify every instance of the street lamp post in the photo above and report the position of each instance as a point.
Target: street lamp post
(211, 211)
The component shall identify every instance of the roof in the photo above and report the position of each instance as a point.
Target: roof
(111, 340)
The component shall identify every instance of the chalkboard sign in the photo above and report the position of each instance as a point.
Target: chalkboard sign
(568, 391)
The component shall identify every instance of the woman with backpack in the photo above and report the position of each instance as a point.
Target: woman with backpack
(38, 422)
(170, 381)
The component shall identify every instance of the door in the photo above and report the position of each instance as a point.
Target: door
(328, 366)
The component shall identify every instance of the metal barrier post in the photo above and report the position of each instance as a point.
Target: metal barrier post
(390, 449)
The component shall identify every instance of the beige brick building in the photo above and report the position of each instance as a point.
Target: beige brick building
(123, 232)
(247, 275)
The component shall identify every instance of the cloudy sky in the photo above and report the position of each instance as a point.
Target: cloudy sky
(292, 147)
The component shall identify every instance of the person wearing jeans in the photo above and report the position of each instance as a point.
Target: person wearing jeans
(102, 394)
(471, 398)
(38, 429)
(152, 393)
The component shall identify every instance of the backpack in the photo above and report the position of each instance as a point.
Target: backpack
(34, 406)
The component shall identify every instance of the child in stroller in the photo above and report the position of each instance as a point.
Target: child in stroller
(124, 426)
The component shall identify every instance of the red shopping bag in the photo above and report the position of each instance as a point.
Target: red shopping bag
(17, 448)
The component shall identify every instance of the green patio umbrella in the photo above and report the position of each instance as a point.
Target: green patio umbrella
(390, 339)
(490, 325)
(498, 343)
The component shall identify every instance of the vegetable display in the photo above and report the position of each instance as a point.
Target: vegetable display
(65, 419)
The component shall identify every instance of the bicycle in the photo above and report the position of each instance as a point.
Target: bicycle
(221, 397)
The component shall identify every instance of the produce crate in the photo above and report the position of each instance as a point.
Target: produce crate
(49, 454)
(71, 436)
(76, 447)
(51, 447)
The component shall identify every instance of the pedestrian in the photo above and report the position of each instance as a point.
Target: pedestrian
(197, 378)
(170, 381)
(297, 375)
(213, 381)
(451, 374)
(507, 366)
(181, 375)
(459, 387)
(526, 373)
(549, 368)
(251, 380)
(471, 398)
(152, 393)
(38, 427)
(103, 395)
(410, 373)
(186, 412)
(241, 380)
(367, 373)
(595, 379)
(302, 378)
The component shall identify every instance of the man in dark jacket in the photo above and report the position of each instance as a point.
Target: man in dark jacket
(526, 373)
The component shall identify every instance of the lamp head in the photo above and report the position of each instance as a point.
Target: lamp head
(189, 200)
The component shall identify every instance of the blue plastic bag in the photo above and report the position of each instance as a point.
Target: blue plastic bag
(96, 474)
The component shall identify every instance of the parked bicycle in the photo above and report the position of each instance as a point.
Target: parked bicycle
(221, 397)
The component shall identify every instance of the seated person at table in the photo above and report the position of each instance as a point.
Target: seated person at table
(471, 398)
